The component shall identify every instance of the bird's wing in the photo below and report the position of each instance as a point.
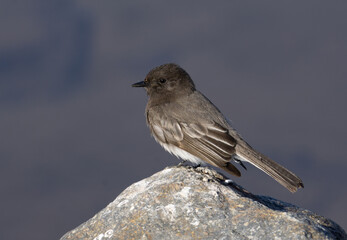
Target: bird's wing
(209, 142)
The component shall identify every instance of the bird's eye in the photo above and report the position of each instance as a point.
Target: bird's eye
(162, 80)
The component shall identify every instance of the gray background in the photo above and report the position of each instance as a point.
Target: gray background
(73, 132)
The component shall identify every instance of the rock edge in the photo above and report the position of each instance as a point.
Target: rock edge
(197, 203)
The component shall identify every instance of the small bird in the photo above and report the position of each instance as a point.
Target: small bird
(187, 124)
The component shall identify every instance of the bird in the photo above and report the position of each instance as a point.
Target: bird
(188, 125)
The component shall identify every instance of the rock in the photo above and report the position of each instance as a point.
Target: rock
(197, 203)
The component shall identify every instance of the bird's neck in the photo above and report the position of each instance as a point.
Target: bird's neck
(156, 99)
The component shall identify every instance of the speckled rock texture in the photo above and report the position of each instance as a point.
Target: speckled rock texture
(196, 203)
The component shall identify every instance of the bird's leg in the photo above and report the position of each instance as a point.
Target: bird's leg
(240, 162)
(181, 163)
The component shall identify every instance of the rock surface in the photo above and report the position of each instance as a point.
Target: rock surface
(188, 203)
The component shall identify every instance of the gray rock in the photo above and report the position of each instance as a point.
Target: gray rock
(188, 203)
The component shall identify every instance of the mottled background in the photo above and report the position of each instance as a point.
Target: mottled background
(73, 132)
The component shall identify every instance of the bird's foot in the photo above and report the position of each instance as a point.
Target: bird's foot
(197, 166)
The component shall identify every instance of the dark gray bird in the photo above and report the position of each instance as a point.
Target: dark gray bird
(185, 123)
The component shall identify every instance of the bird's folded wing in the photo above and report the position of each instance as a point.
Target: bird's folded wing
(210, 142)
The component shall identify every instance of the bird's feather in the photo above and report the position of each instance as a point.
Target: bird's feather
(209, 142)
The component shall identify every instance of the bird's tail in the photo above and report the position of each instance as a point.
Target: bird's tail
(273, 169)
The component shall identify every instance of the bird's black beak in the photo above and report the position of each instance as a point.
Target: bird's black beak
(140, 84)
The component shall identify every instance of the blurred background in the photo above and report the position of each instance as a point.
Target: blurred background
(73, 132)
